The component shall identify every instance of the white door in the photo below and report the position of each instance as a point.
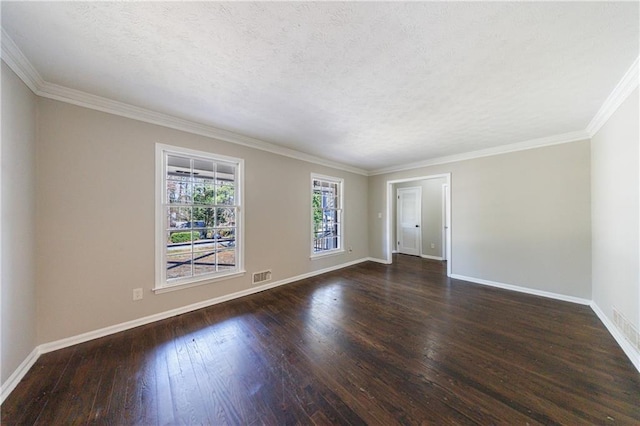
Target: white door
(409, 214)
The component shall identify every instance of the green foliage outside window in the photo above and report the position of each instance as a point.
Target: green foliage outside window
(183, 237)
(207, 196)
(317, 212)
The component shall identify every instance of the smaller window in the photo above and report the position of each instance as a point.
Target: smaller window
(326, 215)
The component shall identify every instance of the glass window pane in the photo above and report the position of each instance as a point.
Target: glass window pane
(179, 191)
(204, 192)
(226, 259)
(225, 237)
(204, 262)
(225, 193)
(203, 170)
(178, 165)
(182, 237)
(225, 172)
(203, 217)
(178, 265)
(179, 217)
(225, 216)
(203, 245)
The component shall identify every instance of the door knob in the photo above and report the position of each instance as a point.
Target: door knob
(417, 226)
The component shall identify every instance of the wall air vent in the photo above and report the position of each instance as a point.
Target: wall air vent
(260, 277)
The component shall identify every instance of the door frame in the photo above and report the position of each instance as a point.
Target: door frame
(446, 223)
(418, 190)
(389, 243)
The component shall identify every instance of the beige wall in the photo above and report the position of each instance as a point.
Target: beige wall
(18, 223)
(521, 218)
(615, 192)
(96, 218)
(431, 211)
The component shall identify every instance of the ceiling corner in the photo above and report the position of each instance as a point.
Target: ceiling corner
(15, 59)
(620, 93)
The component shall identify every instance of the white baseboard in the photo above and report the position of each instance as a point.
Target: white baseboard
(629, 350)
(24, 367)
(85, 337)
(377, 260)
(10, 384)
(19, 373)
(426, 256)
(527, 290)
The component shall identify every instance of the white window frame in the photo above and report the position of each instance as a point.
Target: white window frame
(162, 285)
(340, 211)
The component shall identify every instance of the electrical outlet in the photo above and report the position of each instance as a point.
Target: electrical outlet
(350, 249)
(433, 245)
(137, 294)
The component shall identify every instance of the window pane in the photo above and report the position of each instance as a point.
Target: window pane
(178, 165)
(225, 237)
(178, 264)
(204, 245)
(203, 169)
(226, 259)
(179, 217)
(204, 262)
(225, 216)
(203, 217)
(225, 193)
(204, 192)
(179, 191)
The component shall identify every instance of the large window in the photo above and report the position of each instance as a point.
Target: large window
(199, 216)
(326, 207)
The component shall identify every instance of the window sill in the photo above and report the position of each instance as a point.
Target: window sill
(179, 286)
(327, 254)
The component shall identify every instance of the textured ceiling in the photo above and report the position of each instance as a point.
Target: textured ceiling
(370, 85)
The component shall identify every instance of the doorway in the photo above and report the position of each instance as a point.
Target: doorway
(409, 220)
(436, 203)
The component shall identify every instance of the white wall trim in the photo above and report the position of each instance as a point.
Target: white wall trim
(427, 256)
(390, 203)
(620, 93)
(375, 259)
(10, 384)
(24, 367)
(85, 337)
(629, 350)
(16, 60)
(489, 152)
(526, 290)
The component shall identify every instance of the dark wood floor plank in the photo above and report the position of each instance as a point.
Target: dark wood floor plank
(110, 361)
(369, 344)
(33, 392)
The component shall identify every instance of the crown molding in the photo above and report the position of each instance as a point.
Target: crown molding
(14, 58)
(99, 103)
(503, 149)
(620, 93)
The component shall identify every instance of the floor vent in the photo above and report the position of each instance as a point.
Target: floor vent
(627, 328)
(260, 277)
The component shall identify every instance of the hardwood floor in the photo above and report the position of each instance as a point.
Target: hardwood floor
(376, 344)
